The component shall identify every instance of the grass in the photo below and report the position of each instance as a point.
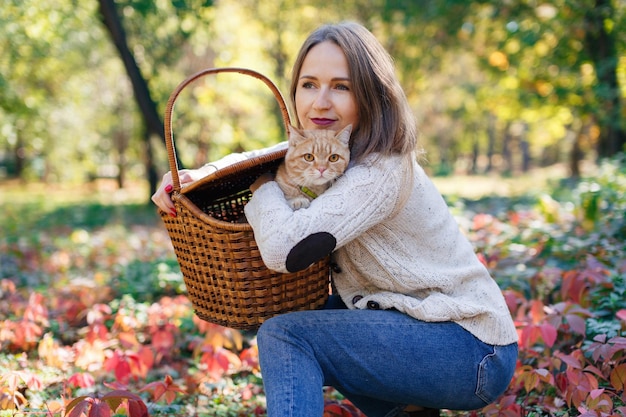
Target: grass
(472, 187)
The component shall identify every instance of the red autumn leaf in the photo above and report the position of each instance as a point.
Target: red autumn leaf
(36, 311)
(548, 334)
(166, 388)
(99, 409)
(529, 335)
(583, 381)
(115, 398)
(618, 377)
(218, 361)
(146, 357)
(250, 357)
(562, 382)
(569, 360)
(137, 409)
(482, 259)
(32, 381)
(574, 286)
(345, 409)
(138, 368)
(27, 333)
(537, 312)
(594, 370)
(163, 340)
(97, 331)
(134, 404)
(333, 410)
(576, 323)
(7, 330)
(118, 363)
(531, 381)
(128, 339)
(108, 404)
(78, 406)
(115, 385)
(82, 380)
(482, 220)
(596, 393)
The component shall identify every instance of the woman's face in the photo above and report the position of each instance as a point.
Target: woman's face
(324, 97)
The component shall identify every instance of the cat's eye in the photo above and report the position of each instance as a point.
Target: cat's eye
(333, 158)
(309, 157)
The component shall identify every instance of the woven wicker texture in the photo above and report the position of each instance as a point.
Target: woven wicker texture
(226, 279)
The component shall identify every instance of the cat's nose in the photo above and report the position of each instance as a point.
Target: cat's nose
(321, 170)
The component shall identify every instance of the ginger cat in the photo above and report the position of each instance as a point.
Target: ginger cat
(314, 159)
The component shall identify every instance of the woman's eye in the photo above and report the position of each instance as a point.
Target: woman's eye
(307, 84)
(342, 87)
(309, 157)
(333, 158)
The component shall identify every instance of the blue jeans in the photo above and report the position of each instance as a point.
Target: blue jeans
(381, 360)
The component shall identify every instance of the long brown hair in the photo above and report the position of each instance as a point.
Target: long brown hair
(386, 122)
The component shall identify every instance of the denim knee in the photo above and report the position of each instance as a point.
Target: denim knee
(270, 328)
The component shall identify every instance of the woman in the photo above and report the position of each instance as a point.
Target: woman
(417, 319)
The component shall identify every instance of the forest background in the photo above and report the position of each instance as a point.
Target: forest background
(496, 86)
(520, 106)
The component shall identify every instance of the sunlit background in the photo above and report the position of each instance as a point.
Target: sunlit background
(497, 87)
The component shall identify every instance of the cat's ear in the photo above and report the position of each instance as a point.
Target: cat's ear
(344, 134)
(295, 134)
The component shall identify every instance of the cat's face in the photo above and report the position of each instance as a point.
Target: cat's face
(316, 157)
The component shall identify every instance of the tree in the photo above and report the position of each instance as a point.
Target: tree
(153, 123)
(601, 43)
(149, 17)
(562, 57)
(49, 63)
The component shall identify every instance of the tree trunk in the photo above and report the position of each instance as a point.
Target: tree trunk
(575, 157)
(525, 149)
(20, 156)
(475, 154)
(152, 120)
(507, 155)
(121, 143)
(600, 42)
(491, 141)
(151, 172)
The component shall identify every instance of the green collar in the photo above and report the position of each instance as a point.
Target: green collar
(307, 191)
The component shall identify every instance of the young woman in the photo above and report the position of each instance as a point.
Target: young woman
(417, 319)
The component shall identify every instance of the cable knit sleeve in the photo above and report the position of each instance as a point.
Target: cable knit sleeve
(291, 240)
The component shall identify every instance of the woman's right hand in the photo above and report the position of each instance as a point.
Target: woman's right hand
(161, 196)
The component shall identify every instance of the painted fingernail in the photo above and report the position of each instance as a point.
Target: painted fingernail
(173, 212)
(169, 188)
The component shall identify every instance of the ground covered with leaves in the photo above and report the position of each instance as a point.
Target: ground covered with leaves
(94, 320)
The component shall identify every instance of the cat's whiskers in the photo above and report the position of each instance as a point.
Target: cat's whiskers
(315, 158)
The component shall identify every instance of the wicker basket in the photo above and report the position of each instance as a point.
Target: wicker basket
(226, 279)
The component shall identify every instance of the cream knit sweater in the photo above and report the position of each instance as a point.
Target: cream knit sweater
(415, 259)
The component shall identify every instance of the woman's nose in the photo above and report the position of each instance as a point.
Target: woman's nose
(322, 100)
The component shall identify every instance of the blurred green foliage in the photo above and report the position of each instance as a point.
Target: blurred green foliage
(495, 86)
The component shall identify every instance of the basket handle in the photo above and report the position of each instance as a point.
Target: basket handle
(169, 136)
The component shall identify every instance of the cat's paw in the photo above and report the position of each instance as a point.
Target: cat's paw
(298, 203)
